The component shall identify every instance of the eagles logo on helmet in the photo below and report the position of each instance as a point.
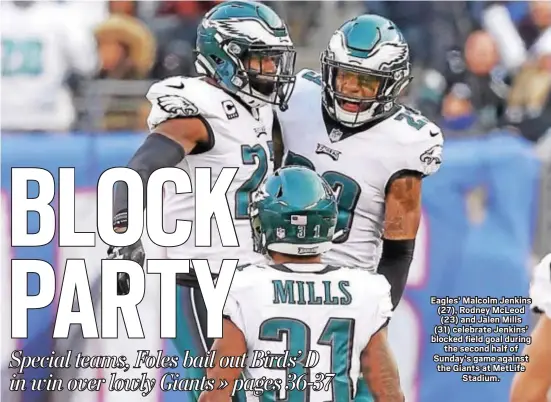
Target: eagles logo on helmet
(246, 48)
(373, 51)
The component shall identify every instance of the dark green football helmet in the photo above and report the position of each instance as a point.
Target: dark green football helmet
(294, 211)
(367, 52)
(246, 48)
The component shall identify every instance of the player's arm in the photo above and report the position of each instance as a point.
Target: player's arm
(380, 370)
(402, 219)
(534, 384)
(176, 130)
(231, 344)
(277, 138)
(421, 156)
(166, 146)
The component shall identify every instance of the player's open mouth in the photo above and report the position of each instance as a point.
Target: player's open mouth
(350, 107)
(353, 107)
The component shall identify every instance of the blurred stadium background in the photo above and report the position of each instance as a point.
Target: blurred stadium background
(74, 78)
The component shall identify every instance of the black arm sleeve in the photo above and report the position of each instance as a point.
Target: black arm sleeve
(277, 138)
(158, 151)
(394, 265)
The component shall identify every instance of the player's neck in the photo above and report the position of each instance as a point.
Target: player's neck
(291, 259)
(211, 81)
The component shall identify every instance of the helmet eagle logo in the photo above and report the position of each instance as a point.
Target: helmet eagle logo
(386, 55)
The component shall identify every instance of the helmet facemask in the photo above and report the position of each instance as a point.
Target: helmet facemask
(259, 74)
(246, 48)
(265, 74)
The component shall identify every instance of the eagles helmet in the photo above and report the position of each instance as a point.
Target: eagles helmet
(246, 48)
(294, 212)
(364, 69)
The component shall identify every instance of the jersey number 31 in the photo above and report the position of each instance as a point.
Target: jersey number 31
(338, 334)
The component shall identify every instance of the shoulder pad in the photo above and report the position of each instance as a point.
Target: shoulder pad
(306, 94)
(242, 267)
(250, 267)
(247, 279)
(421, 140)
(178, 97)
(309, 76)
(378, 283)
(412, 110)
(376, 291)
(540, 288)
(371, 284)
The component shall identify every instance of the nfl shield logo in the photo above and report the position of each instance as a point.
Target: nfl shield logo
(335, 134)
(280, 233)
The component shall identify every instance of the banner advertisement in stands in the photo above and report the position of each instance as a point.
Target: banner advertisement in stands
(475, 240)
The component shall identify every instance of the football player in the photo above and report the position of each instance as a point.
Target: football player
(301, 305)
(220, 119)
(348, 125)
(534, 384)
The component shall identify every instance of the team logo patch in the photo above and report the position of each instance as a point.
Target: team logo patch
(431, 158)
(335, 135)
(177, 105)
(280, 233)
(230, 109)
(332, 153)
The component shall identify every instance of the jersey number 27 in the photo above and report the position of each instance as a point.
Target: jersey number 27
(251, 155)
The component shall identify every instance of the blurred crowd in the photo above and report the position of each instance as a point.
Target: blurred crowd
(75, 65)
(480, 65)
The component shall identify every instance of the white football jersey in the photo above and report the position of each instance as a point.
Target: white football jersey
(358, 166)
(540, 288)
(325, 314)
(238, 139)
(41, 45)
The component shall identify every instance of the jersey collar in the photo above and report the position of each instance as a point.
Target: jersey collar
(305, 268)
(333, 126)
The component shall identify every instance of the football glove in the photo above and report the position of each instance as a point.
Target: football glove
(134, 253)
